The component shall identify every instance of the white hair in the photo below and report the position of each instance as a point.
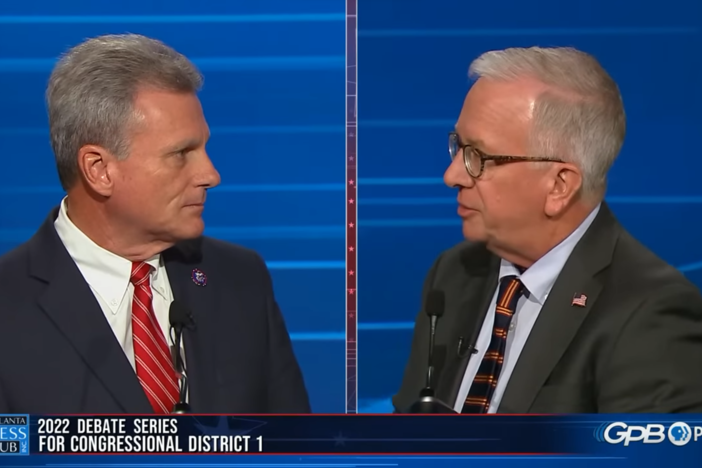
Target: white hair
(579, 119)
(91, 91)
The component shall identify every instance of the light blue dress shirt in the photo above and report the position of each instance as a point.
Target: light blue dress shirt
(538, 280)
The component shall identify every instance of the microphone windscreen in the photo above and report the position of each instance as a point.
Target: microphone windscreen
(179, 315)
(435, 303)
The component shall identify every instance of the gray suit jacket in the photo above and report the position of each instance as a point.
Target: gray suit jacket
(635, 347)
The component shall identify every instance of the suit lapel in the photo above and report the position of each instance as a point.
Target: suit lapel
(559, 320)
(180, 261)
(70, 304)
(469, 294)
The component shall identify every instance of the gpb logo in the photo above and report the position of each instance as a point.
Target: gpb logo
(678, 434)
(619, 432)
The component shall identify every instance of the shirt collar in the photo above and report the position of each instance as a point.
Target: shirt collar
(541, 276)
(106, 273)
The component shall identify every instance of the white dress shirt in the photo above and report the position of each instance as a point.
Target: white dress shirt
(108, 276)
(538, 281)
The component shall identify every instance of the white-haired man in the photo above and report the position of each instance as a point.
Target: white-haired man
(550, 305)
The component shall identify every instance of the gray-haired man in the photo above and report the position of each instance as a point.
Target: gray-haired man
(84, 304)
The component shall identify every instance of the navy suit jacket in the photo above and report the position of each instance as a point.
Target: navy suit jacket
(59, 354)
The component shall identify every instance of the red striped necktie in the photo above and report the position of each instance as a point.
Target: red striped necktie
(483, 387)
(153, 365)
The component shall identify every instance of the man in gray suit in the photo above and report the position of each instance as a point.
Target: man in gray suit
(550, 305)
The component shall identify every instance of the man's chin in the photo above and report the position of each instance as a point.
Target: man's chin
(191, 229)
(473, 232)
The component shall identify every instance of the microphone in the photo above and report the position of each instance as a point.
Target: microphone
(180, 318)
(434, 309)
(428, 403)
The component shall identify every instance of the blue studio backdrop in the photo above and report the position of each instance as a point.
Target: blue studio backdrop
(412, 78)
(274, 97)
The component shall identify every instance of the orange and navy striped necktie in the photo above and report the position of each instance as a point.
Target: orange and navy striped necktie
(480, 394)
(153, 365)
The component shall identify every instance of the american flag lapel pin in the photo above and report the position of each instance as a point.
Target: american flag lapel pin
(579, 300)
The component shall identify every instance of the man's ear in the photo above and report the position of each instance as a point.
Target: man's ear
(97, 168)
(565, 183)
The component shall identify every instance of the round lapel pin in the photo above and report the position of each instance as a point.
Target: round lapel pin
(199, 277)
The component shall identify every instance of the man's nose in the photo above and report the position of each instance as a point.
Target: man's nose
(209, 176)
(456, 174)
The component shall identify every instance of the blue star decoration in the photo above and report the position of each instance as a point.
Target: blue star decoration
(222, 428)
(340, 440)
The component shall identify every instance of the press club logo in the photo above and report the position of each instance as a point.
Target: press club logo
(14, 434)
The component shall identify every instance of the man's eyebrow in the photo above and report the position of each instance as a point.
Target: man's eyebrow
(183, 145)
(474, 142)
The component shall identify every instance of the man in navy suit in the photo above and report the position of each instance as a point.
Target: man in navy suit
(84, 304)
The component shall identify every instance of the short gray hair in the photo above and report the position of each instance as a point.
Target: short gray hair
(91, 93)
(580, 119)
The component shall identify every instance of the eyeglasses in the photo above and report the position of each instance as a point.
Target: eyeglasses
(474, 159)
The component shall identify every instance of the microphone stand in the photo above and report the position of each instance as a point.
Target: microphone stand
(181, 407)
(428, 403)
